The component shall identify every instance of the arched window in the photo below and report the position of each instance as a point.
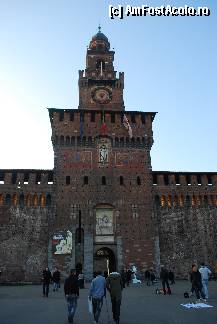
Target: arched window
(163, 201)
(90, 141)
(181, 200)
(42, 200)
(133, 141)
(100, 64)
(138, 142)
(138, 181)
(28, 200)
(85, 180)
(68, 180)
(103, 180)
(61, 140)
(121, 142)
(193, 200)
(169, 201)
(157, 201)
(175, 201)
(35, 200)
(21, 200)
(8, 199)
(56, 140)
(116, 142)
(127, 142)
(188, 200)
(15, 200)
(205, 200)
(73, 140)
(121, 181)
(48, 200)
(67, 140)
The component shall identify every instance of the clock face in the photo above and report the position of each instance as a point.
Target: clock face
(101, 95)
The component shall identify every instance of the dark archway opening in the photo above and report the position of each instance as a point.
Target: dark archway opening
(104, 260)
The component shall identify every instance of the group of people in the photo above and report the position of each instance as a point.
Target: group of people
(99, 285)
(114, 283)
(47, 278)
(199, 277)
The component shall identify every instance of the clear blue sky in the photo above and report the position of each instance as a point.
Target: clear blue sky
(170, 66)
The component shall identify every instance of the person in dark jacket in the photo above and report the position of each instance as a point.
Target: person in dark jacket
(196, 282)
(164, 275)
(171, 277)
(114, 286)
(56, 279)
(46, 278)
(71, 289)
(128, 276)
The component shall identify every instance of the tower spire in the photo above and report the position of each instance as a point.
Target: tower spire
(99, 27)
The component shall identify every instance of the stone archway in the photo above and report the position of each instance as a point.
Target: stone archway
(104, 260)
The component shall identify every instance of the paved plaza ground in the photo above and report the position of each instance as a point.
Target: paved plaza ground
(140, 305)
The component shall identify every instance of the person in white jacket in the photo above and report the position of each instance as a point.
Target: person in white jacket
(205, 272)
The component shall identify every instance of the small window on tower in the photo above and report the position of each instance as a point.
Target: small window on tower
(112, 118)
(103, 180)
(138, 180)
(121, 181)
(85, 180)
(67, 180)
(92, 118)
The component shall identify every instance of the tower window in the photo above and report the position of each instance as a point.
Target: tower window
(71, 115)
(92, 116)
(188, 179)
(143, 118)
(133, 118)
(198, 179)
(14, 177)
(166, 179)
(209, 180)
(121, 181)
(8, 199)
(103, 180)
(100, 64)
(38, 178)
(154, 176)
(177, 179)
(138, 180)
(85, 180)
(112, 118)
(67, 180)
(61, 116)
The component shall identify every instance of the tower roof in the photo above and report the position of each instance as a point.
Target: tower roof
(99, 41)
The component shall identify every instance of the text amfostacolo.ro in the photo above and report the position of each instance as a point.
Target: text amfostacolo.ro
(144, 10)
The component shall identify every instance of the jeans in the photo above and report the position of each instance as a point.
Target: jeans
(116, 305)
(72, 304)
(198, 291)
(97, 306)
(164, 284)
(45, 289)
(205, 287)
(55, 286)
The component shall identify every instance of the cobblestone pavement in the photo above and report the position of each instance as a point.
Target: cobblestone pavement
(140, 305)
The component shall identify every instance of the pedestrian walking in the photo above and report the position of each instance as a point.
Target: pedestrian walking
(196, 281)
(123, 277)
(164, 275)
(152, 277)
(128, 277)
(114, 286)
(205, 273)
(71, 289)
(171, 277)
(81, 280)
(46, 278)
(96, 293)
(56, 279)
(148, 277)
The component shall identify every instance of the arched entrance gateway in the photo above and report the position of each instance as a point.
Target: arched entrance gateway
(104, 260)
(104, 256)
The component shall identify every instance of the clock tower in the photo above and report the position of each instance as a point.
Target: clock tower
(99, 87)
